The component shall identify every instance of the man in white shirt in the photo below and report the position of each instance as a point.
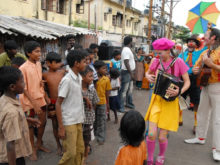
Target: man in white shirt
(127, 75)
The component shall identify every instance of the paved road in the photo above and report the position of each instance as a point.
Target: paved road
(178, 153)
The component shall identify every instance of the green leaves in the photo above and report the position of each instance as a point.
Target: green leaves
(181, 33)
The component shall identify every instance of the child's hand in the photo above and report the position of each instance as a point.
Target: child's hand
(42, 83)
(108, 107)
(61, 133)
(37, 109)
(47, 101)
(132, 76)
(88, 103)
(34, 122)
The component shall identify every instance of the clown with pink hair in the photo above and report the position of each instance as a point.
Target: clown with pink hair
(163, 114)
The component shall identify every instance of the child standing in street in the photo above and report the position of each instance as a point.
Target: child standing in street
(33, 100)
(90, 94)
(103, 87)
(145, 82)
(114, 100)
(70, 110)
(116, 61)
(14, 134)
(161, 113)
(92, 60)
(134, 151)
(53, 77)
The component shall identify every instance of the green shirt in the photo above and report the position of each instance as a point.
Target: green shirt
(6, 61)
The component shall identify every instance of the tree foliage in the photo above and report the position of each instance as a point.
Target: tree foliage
(181, 33)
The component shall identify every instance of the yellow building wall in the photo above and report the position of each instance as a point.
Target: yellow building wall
(16, 8)
(107, 25)
(100, 7)
(54, 16)
(33, 9)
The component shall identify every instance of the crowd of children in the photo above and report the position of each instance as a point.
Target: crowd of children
(37, 93)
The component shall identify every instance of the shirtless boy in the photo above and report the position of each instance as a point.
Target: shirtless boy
(53, 78)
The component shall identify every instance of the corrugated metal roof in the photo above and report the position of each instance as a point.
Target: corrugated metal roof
(5, 31)
(38, 28)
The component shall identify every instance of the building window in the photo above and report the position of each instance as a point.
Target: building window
(114, 20)
(136, 26)
(119, 19)
(60, 6)
(80, 7)
(53, 5)
(43, 4)
(128, 23)
(105, 17)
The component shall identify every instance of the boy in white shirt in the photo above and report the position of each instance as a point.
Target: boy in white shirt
(70, 110)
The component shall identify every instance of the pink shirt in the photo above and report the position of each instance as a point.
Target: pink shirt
(180, 67)
(32, 74)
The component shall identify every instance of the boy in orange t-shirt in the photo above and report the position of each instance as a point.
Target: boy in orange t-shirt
(33, 100)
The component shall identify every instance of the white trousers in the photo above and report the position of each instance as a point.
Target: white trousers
(209, 107)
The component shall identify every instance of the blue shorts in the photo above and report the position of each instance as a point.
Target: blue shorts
(114, 103)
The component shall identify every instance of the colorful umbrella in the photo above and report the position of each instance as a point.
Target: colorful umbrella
(201, 15)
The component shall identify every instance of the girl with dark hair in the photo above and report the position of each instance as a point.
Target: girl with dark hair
(134, 151)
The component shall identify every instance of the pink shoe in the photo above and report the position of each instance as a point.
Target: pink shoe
(160, 160)
(149, 162)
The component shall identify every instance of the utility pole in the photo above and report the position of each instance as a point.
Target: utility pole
(150, 22)
(95, 18)
(171, 16)
(162, 18)
(89, 15)
(46, 9)
(162, 9)
(123, 22)
(70, 12)
(172, 5)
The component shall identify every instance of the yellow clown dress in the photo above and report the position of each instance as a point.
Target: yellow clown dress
(164, 113)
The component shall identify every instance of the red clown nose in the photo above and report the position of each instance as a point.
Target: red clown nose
(191, 44)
